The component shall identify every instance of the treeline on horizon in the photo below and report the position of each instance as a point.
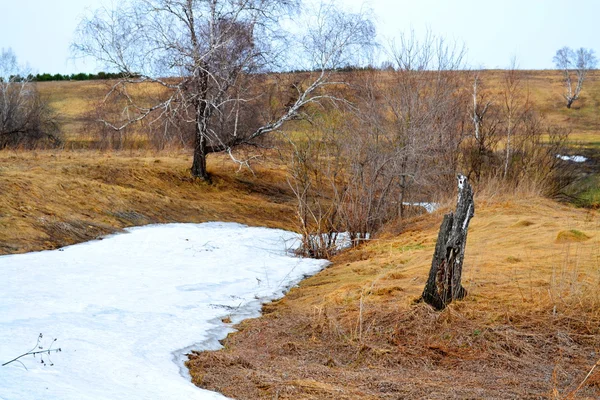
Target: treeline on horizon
(82, 76)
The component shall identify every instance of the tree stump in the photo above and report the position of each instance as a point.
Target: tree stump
(443, 284)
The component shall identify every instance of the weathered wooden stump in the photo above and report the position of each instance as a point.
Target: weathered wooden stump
(443, 284)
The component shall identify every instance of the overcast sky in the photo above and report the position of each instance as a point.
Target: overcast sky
(40, 31)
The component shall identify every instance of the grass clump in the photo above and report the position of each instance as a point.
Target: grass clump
(524, 223)
(590, 198)
(572, 235)
(513, 260)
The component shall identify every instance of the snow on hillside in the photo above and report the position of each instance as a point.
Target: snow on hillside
(126, 309)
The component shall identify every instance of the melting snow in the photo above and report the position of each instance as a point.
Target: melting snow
(577, 159)
(127, 308)
(429, 207)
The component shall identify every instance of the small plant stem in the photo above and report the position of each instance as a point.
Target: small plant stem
(31, 353)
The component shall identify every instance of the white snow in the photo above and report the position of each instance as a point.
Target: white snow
(577, 159)
(429, 207)
(126, 309)
(340, 240)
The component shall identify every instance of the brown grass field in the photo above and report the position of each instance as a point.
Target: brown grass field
(529, 327)
(73, 99)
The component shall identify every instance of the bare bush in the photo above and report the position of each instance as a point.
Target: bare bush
(510, 141)
(396, 144)
(425, 102)
(315, 178)
(26, 120)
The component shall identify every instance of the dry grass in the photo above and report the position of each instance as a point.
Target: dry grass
(546, 89)
(572, 235)
(74, 99)
(529, 328)
(52, 199)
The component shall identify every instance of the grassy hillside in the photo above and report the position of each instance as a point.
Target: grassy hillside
(74, 99)
(529, 328)
(55, 198)
(546, 89)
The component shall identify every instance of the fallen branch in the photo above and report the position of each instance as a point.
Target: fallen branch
(33, 352)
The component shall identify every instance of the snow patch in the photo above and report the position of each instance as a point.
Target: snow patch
(126, 310)
(577, 159)
(429, 207)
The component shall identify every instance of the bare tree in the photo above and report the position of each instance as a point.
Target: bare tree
(578, 62)
(214, 55)
(396, 144)
(25, 118)
(515, 106)
(425, 99)
(479, 147)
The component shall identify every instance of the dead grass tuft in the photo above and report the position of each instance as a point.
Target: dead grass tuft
(524, 223)
(572, 235)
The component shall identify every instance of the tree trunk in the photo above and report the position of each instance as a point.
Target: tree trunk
(443, 284)
(200, 150)
(202, 110)
(199, 163)
(569, 103)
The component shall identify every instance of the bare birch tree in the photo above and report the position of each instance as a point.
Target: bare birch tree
(210, 57)
(577, 62)
(515, 106)
(479, 147)
(25, 118)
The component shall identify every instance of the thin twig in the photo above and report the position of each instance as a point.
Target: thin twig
(570, 395)
(32, 353)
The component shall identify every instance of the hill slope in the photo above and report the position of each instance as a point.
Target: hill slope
(55, 198)
(529, 328)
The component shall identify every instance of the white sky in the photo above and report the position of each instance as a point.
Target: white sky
(40, 31)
